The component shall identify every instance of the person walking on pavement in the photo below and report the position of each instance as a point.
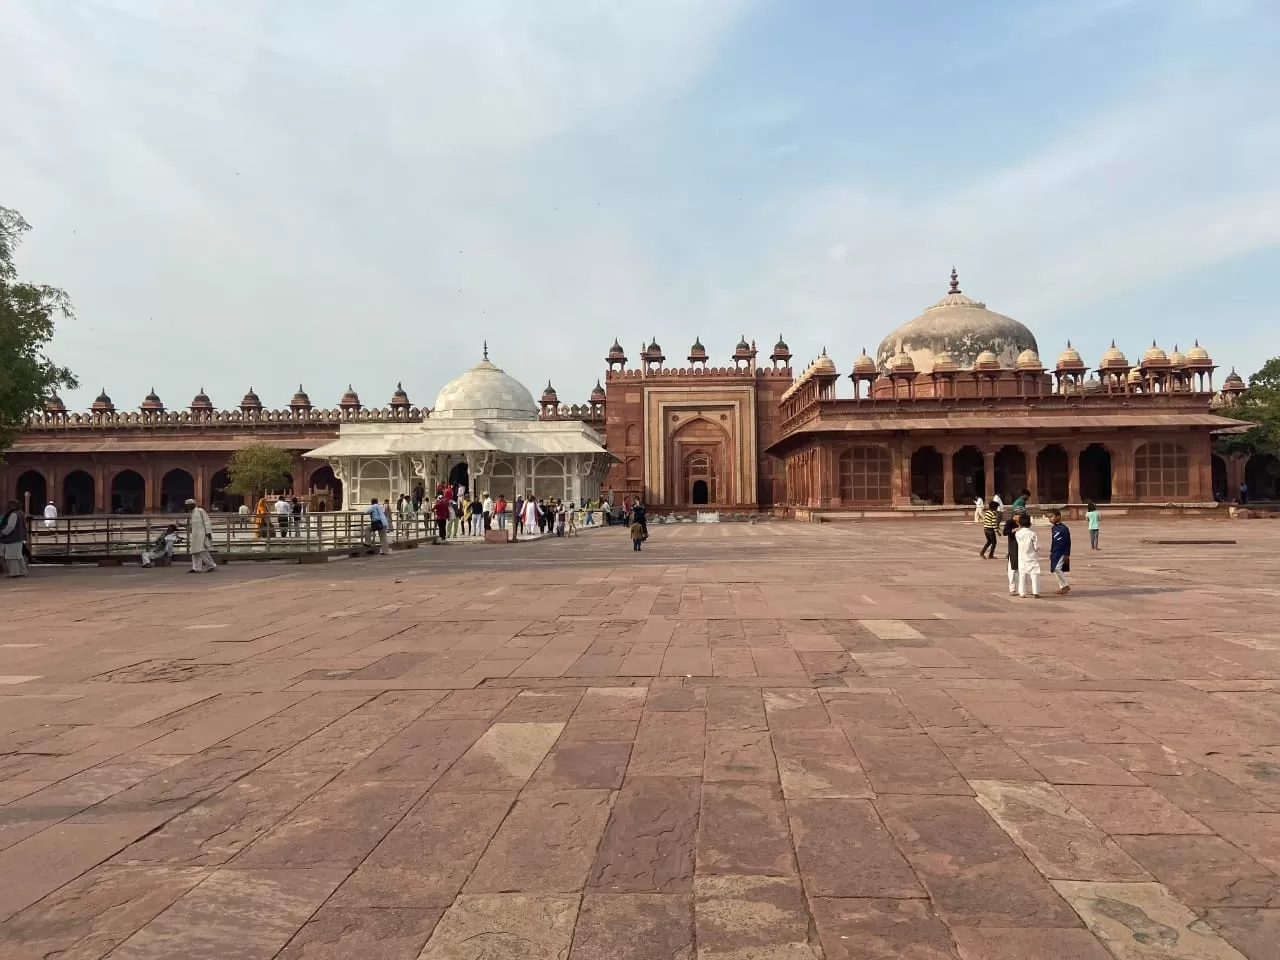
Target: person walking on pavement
(990, 521)
(200, 538)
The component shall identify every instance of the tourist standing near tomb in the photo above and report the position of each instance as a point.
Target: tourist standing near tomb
(440, 511)
(1010, 535)
(283, 512)
(1060, 551)
(486, 511)
(1094, 519)
(50, 515)
(530, 515)
(500, 511)
(13, 538)
(978, 506)
(990, 521)
(1028, 557)
(572, 516)
(454, 512)
(200, 539)
(378, 525)
(637, 535)
(477, 517)
(296, 506)
(641, 517)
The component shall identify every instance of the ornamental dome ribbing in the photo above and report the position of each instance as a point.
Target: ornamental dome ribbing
(1154, 357)
(103, 403)
(902, 363)
(959, 326)
(350, 400)
(780, 350)
(151, 402)
(201, 403)
(697, 351)
(743, 350)
(54, 404)
(1028, 361)
(863, 365)
(942, 363)
(400, 398)
(300, 400)
(549, 394)
(485, 393)
(1113, 359)
(1198, 357)
(597, 393)
(987, 362)
(824, 364)
(1070, 359)
(616, 352)
(1234, 382)
(1177, 359)
(250, 401)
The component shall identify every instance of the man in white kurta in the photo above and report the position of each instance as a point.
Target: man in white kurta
(200, 539)
(530, 516)
(50, 515)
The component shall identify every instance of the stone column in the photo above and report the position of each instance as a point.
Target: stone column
(902, 474)
(988, 474)
(1033, 472)
(1200, 469)
(150, 488)
(1073, 472)
(1122, 479)
(202, 484)
(101, 492)
(948, 475)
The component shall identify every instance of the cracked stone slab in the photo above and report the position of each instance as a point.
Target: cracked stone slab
(845, 851)
(648, 844)
(751, 916)
(1143, 921)
(634, 926)
(546, 844)
(504, 926)
(248, 914)
(1056, 837)
(879, 929)
(340, 933)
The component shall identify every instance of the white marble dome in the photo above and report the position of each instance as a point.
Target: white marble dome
(485, 393)
(960, 327)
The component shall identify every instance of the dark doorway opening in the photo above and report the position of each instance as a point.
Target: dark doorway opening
(970, 474)
(700, 493)
(32, 482)
(460, 476)
(78, 492)
(1011, 473)
(1261, 473)
(1053, 465)
(1220, 492)
(219, 499)
(926, 476)
(176, 488)
(323, 479)
(128, 492)
(1095, 474)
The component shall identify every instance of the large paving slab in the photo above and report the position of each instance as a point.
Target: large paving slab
(776, 741)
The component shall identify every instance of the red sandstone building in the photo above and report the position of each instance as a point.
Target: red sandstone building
(956, 404)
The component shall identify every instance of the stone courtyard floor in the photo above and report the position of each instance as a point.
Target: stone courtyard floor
(749, 742)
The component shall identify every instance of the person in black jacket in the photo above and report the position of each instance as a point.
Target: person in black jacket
(638, 516)
(1010, 531)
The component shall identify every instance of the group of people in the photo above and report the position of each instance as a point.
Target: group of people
(1024, 543)
(455, 513)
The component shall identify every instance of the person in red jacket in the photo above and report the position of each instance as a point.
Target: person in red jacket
(440, 510)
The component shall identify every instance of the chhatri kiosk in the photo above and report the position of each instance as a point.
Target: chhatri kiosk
(484, 433)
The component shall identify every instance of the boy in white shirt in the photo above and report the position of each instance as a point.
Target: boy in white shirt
(1028, 559)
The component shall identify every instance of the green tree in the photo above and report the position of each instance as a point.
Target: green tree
(257, 468)
(1259, 404)
(27, 312)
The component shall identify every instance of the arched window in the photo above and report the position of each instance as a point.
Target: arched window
(1160, 471)
(502, 480)
(633, 435)
(548, 478)
(633, 468)
(866, 475)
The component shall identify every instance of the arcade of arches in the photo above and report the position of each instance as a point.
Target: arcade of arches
(142, 485)
(828, 473)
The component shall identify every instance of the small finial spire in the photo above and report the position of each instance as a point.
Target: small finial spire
(486, 349)
(1068, 343)
(955, 281)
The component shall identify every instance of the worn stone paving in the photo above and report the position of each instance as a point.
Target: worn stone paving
(748, 742)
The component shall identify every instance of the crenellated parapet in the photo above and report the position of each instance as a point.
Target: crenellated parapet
(213, 419)
(699, 372)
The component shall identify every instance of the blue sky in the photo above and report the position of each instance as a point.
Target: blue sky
(319, 191)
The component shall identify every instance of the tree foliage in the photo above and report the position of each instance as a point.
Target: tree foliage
(27, 312)
(1259, 404)
(257, 468)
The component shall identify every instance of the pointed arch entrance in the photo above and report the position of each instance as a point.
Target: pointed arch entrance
(698, 450)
